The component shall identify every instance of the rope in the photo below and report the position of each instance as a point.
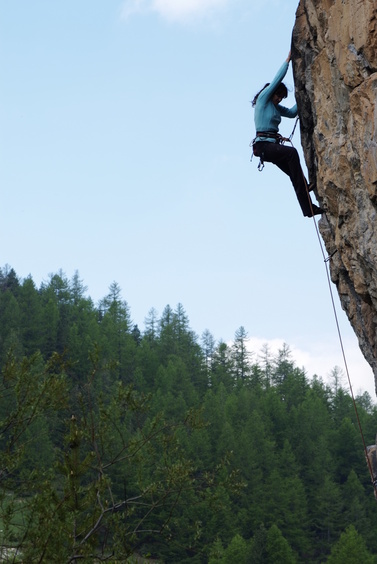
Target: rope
(326, 260)
(293, 130)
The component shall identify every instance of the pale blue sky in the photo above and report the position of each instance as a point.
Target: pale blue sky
(124, 154)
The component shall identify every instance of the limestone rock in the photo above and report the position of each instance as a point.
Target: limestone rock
(334, 54)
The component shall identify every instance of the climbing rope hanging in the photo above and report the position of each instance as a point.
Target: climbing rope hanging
(326, 260)
(293, 130)
(280, 139)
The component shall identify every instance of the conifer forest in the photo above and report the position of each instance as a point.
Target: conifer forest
(154, 444)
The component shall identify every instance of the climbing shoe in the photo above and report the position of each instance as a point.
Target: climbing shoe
(316, 210)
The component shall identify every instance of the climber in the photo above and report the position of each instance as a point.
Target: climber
(268, 143)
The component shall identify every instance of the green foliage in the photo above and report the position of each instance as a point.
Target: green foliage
(119, 443)
(350, 549)
(236, 551)
(277, 548)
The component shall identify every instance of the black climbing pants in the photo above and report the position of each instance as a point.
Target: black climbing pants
(287, 159)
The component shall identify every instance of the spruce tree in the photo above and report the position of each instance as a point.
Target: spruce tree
(350, 549)
(277, 548)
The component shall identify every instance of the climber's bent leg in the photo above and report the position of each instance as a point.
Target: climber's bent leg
(287, 159)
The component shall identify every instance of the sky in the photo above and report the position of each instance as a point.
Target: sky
(124, 155)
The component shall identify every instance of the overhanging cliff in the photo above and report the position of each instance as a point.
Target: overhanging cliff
(334, 54)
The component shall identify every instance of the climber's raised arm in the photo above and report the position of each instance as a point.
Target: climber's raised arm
(269, 144)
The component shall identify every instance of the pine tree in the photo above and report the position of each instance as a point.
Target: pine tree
(348, 449)
(188, 452)
(337, 378)
(283, 366)
(222, 367)
(56, 319)
(266, 359)
(31, 317)
(9, 281)
(285, 500)
(10, 315)
(151, 325)
(208, 347)
(241, 356)
(258, 548)
(236, 551)
(277, 548)
(355, 506)
(216, 555)
(350, 549)
(115, 332)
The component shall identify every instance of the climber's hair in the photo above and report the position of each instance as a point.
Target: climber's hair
(281, 91)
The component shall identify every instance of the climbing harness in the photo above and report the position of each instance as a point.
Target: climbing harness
(270, 135)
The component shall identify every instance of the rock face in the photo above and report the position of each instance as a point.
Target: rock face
(334, 54)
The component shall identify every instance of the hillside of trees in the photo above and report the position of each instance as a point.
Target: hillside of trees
(125, 444)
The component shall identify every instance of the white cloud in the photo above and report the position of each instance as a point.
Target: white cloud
(321, 358)
(174, 10)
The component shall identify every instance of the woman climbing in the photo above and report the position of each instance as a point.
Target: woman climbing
(267, 143)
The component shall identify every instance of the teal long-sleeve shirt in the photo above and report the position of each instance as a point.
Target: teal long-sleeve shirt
(267, 116)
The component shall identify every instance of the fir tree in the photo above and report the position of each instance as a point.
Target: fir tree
(350, 549)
